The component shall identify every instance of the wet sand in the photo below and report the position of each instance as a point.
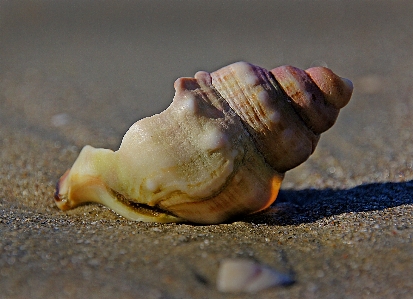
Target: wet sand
(78, 73)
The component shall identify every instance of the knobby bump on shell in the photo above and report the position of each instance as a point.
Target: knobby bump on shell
(220, 150)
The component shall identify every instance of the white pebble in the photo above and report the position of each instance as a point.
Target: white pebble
(242, 275)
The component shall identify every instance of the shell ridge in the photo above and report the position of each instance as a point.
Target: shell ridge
(260, 118)
(250, 102)
(282, 94)
(207, 92)
(309, 98)
(233, 92)
(244, 124)
(273, 90)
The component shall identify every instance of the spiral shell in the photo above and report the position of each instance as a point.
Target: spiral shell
(219, 150)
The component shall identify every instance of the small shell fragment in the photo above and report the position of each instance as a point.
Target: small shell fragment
(243, 275)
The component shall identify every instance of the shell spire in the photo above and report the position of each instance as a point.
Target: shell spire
(290, 107)
(220, 150)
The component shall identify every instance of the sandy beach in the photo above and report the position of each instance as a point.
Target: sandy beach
(74, 73)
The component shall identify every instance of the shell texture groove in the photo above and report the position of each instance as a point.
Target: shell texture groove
(220, 150)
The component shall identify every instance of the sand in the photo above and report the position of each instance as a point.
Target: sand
(77, 73)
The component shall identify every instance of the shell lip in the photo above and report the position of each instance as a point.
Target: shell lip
(57, 196)
(141, 208)
(56, 193)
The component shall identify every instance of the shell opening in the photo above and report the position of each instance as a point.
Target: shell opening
(140, 208)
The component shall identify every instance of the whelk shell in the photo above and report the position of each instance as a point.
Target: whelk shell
(219, 150)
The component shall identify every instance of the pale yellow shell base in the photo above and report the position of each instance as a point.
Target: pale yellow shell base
(130, 210)
(80, 190)
(86, 182)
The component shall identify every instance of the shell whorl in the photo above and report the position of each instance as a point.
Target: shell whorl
(285, 109)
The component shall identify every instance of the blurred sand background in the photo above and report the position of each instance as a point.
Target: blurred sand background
(81, 72)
